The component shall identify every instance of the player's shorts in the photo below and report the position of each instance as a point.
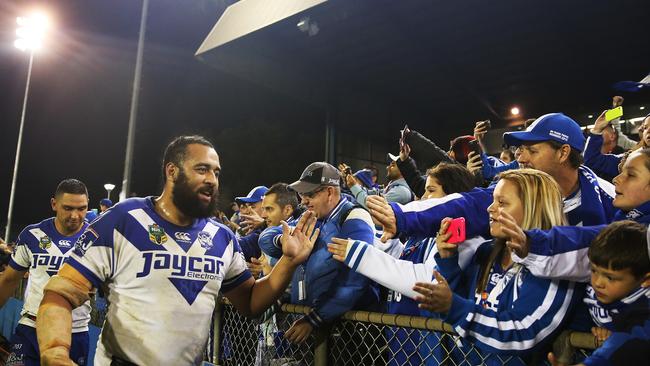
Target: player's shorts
(24, 348)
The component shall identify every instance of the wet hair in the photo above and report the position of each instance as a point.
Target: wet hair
(453, 178)
(71, 186)
(283, 196)
(575, 156)
(176, 150)
(622, 245)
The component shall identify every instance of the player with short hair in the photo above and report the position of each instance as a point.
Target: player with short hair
(40, 250)
(164, 261)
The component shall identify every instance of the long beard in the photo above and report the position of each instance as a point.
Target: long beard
(188, 201)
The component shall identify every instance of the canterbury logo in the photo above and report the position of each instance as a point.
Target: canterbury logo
(182, 236)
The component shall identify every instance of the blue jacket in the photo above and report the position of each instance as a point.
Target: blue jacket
(327, 285)
(605, 165)
(519, 312)
(562, 251)
(249, 245)
(592, 206)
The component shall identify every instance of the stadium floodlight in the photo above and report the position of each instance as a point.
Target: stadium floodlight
(31, 31)
(109, 187)
(514, 111)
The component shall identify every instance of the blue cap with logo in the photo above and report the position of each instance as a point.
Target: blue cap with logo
(549, 127)
(365, 176)
(255, 195)
(106, 202)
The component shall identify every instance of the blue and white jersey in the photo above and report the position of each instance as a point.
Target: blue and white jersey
(604, 315)
(163, 282)
(41, 250)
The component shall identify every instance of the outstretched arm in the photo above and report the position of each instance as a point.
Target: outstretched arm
(253, 297)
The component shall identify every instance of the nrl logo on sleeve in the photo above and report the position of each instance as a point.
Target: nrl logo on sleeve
(157, 234)
(45, 242)
(205, 239)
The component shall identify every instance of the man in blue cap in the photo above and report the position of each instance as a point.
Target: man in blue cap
(552, 144)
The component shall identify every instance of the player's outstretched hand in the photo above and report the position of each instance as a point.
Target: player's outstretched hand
(382, 214)
(434, 297)
(56, 356)
(298, 243)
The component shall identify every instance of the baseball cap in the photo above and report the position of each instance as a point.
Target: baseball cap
(106, 202)
(390, 158)
(316, 175)
(255, 195)
(365, 176)
(549, 127)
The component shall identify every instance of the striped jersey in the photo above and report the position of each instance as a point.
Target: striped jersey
(41, 250)
(163, 281)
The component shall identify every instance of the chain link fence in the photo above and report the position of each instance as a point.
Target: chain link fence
(364, 338)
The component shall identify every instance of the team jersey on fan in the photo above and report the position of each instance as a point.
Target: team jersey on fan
(41, 250)
(163, 282)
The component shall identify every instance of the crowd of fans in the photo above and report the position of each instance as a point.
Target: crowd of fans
(510, 250)
(552, 235)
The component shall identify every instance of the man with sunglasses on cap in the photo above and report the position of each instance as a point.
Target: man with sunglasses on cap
(321, 282)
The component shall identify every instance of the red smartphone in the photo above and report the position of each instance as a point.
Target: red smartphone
(457, 230)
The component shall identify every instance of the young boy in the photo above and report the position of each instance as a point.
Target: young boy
(619, 295)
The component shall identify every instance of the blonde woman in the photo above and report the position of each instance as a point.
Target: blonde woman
(511, 311)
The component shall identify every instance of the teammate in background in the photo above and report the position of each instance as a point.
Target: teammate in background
(164, 262)
(41, 249)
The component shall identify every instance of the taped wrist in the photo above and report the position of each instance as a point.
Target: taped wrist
(72, 291)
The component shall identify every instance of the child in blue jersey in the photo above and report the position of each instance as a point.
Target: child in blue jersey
(513, 313)
(619, 295)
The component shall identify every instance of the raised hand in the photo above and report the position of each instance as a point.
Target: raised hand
(445, 250)
(404, 151)
(517, 240)
(474, 162)
(252, 221)
(298, 243)
(338, 248)
(600, 124)
(382, 214)
(434, 297)
(480, 129)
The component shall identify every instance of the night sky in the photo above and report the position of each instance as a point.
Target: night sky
(78, 108)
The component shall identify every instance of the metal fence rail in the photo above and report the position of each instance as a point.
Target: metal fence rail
(363, 338)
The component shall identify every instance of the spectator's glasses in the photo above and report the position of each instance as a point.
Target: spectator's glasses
(313, 193)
